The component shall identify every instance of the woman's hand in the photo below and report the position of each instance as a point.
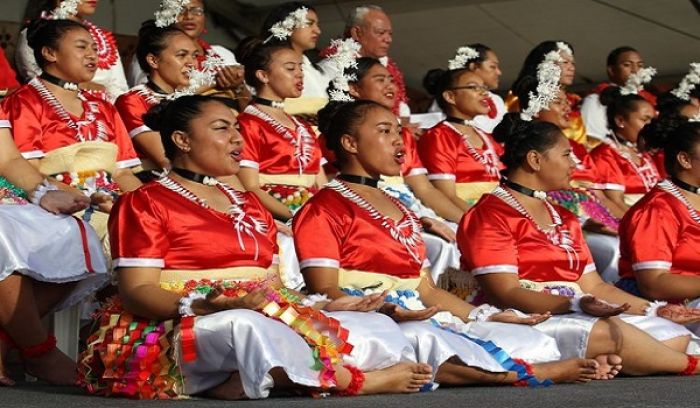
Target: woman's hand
(679, 314)
(216, 301)
(510, 316)
(438, 228)
(399, 314)
(229, 77)
(283, 228)
(369, 303)
(600, 308)
(63, 202)
(102, 201)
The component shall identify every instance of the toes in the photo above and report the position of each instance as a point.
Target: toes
(6, 381)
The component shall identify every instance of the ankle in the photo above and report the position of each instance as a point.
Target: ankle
(691, 367)
(40, 349)
(357, 381)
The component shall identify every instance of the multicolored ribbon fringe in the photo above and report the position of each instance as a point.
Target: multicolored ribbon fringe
(584, 202)
(293, 197)
(10, 194)
(89, 181)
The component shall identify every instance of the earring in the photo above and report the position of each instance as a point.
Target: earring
(622, 126)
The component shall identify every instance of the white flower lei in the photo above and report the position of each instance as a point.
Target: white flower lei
(345, 57)
(548, 76)
(284, 29)
(636, 81)
(201, 78)
(169, 10)
(462, 58)
(688, 83)
(65, 10)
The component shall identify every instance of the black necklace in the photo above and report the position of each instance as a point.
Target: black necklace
(196, 177)
(542, 195)
(624, 142)
(268, 102)
(155, 88)
(67, 85)
(460, 121)
(367, 181)
(685, 186)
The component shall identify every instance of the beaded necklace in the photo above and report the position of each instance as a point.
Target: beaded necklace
(489, 159)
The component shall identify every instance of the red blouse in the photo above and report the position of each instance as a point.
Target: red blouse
(274, 149)
(495, 237)
(412, 165)
(339, 229)
(616, 172)
(585, 166)
(8, 77)
(133, 105)
(162, 225)
(661, 231)
(40, 124)
(448, 156)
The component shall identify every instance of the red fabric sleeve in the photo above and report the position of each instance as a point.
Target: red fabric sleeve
(317, 235)
(131, 108)
(126, 157)
(253, 135)
(438, 151)
(648, 235)
(8, 77)
(486, 242)
(138, 231)
(609, 173)
(413, 165)
(25, 116)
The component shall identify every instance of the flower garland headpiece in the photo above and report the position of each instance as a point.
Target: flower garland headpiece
(345, 57)
(65, 10)
(688, 83)
(168, 12)
(548, 76)
(462, 58)
(564, 47)
(636, 81)
(284, 29)
(200, 78)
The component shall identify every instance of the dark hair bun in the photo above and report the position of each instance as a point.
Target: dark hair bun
(657, 133)
(610, 95)
(325, 115)
(431, 80)
(511, 128)
(155, 115)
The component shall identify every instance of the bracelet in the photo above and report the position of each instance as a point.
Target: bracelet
(652, 308)
(576, 302)
(41, 190)
(311, 300)
(483, 313)
(185, 308)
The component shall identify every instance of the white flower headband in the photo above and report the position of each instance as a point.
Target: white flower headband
(284, 29)
(462, 58)
(636, 81)
(201, 78)
(564, 47)
(688, 83)
(345, 57)
(548, 76)
(169, 11)
(65, 10)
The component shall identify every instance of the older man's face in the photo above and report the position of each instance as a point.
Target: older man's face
(374, 34)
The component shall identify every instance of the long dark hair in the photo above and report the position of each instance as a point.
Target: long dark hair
(521, 136)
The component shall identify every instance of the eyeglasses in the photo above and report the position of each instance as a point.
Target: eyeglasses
(473, 87)
(195, 11)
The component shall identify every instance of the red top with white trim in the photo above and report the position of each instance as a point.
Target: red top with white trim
(163, 225)
(496, 237)
(40, 124)
(273, 148)
(133, 105)
(338, 229)
(617, 172)
(661, 231)
(586, 169)
(448, 155)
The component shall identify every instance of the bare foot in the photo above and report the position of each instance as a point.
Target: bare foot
(53, 367)
(400, 378)
(231, 389)
(567, 371)
(4, 351)
(609, 365)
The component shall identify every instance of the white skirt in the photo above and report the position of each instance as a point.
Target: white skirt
(248, 342)
(51, 248)
(663, 329)
(441, 254)
(290, 273)
(606, 254)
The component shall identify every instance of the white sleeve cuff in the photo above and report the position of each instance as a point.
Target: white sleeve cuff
(589, 268)
(613, 186)
(139, 262)
(417, 171)
(657, 264)
(5, 124)
(125, 164)
(319, 263)
(442, 176)
(250, 164)
(139, 130)
(504, 268)
(34, 154)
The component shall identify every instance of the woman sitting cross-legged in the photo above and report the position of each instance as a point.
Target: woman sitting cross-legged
(352, 238)
(197, 259)
(48, 261)
(531, 255)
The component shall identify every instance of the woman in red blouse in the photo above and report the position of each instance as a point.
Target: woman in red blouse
(167, 55)
(625, 173)
(529, 254)
(8, 78)
(660, 235)
(352, 238)
(462, 160)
